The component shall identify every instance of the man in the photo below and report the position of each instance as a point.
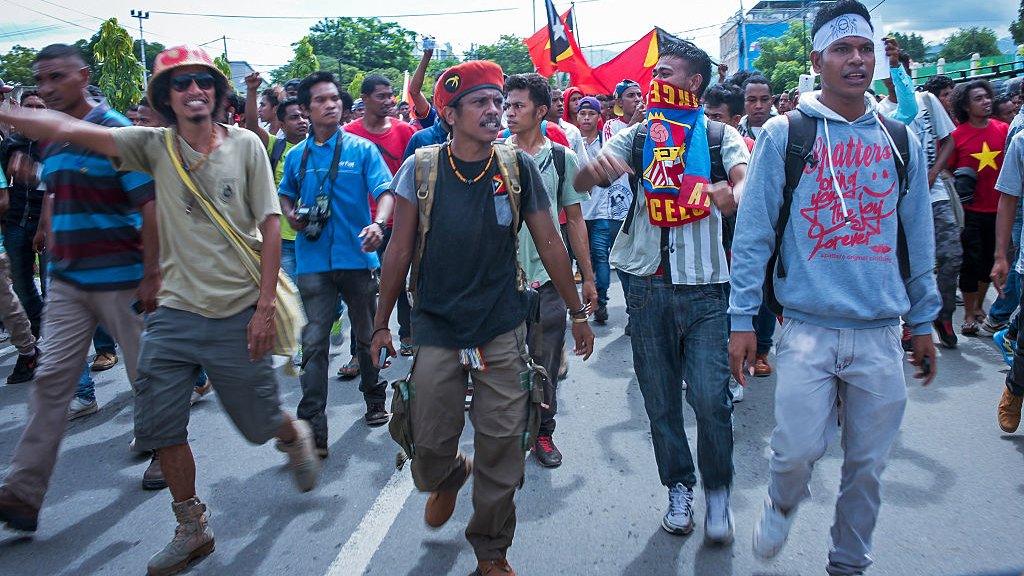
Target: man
(1005, 107)
(291, 88)
(325, 193)
(101, 262)
(469, 304)
(526, 104)
(842, 302)
(628, 108)
(671, 248)
(289, 119)
(148, 116)
(13, 315)
(391, 137)
(556, 114)
(724, 103)
(213, 310)
(941, 86)
(358, 110)
(604, 211)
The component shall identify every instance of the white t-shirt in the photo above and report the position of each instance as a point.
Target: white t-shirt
(575, 141)
(611, 203)
(931, 125)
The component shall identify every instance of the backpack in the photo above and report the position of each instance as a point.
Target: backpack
(800, 153)
(558, 157)
(427, 162)
(276, 153)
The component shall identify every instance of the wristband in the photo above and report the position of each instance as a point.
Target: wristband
(378, 330)
(583, 320)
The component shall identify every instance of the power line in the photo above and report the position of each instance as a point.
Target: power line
(255, 17)
(50, 16)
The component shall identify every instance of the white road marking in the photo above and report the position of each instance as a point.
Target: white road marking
(355, 555)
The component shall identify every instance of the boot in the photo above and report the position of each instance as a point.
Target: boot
(192, 539)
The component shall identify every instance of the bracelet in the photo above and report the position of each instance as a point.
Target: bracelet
(380, 225)
(583, 320)
(584, 311)
(378, 330)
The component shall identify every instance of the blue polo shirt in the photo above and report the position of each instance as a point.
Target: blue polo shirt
(436, 134)
(361, 173)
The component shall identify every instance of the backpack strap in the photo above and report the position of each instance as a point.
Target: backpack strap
(558, 157)
(426, 166)
(276, 152)
(636, 162)
(508, 164)
(716, 133)
(799, 155)
(898, 131)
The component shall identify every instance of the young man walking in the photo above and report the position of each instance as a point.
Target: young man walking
(471, 306)
(328, 181)
(857, 253)
(526, 96)
(671, 248)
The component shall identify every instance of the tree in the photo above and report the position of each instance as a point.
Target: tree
(782, 60)
(962, 43)
(152, 50)
(1017, 26)
(913, 44)
(509, 52)
(365, 43)
(354, 87)
(120, 72)
(222, 64)
(16, 66)
(303, 63)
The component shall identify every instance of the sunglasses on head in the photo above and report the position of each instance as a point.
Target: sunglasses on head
(181, 82)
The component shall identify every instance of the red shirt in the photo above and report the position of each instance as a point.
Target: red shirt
(391, 143)
(981, 149)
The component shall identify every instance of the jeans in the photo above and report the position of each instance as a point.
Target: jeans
(86, 386)
(602, 234)
(101, 342)
(403, 305)
(764, 327)
(288, 258)
(1004, 306)
(18, 243)
(681, 333)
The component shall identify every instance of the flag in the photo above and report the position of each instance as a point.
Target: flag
(554, 49)
(635, 62)
(558, 35)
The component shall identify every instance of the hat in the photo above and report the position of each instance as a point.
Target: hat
(589, 102)
(621, 87)
(457, 81)
(292, 84)
(176, 57)
(358, 104)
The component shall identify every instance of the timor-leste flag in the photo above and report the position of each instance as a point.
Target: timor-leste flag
(635, 62)
(554, 49)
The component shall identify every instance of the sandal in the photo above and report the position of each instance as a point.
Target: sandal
(405, 347)
(969, 327)
(350, 370)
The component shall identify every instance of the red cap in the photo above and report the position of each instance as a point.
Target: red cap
(464, 78)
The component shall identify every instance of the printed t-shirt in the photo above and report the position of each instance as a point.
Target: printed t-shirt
(611, 203)
(981, 149)
(96, 225)
(202, 273)
(467, 294)
(287, 232)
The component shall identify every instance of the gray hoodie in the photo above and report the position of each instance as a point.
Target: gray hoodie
(839, 274)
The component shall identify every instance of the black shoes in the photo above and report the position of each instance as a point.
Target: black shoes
(546, 452)
(947, 336)
(376, 414)
(24, 368)
(601, 315)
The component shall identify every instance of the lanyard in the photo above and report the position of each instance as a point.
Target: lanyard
(331, 175)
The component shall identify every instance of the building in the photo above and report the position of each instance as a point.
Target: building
(742, 34)
(239, 70)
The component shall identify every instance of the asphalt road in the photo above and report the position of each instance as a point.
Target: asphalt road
(952, 495)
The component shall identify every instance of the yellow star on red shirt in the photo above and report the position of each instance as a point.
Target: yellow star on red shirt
(986, 157)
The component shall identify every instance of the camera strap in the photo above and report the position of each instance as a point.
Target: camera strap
(331, 175)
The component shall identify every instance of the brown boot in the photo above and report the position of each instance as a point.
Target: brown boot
(1009, 411)
(192, 539)
(441, 504)
(497, 567)
(761, 366)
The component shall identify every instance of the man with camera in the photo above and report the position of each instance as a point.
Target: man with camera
(328, 179)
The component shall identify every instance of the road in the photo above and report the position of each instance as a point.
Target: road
(953, 492)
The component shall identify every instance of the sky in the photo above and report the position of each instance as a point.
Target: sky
(611, 24)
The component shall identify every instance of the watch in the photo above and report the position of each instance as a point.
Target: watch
(380, 225)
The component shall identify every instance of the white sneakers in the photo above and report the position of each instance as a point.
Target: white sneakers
(718, 525)
(679, 518)
(79, 408)
(771, 531)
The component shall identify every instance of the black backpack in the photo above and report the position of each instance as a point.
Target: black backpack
(800, 153)
(276, 153)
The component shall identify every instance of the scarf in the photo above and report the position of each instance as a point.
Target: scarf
(677, 164)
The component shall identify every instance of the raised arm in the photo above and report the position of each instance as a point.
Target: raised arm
(420, 106)
(59, 127)
(252, 119)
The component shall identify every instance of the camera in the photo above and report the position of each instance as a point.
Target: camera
(314, 216)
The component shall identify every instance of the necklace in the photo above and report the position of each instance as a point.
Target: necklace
(487, 168)
(190, 201)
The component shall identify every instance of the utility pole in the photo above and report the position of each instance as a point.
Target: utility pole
(142, 48)
(575, 26)
(225, 39)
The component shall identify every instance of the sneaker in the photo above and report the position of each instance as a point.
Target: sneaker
(907, 340)
(302, 457)
(79, 408)
(153, 477)
(350, 370)
(969, 327)
(577, 277)
(601, 314)
(546, 453)
(737, 391)
(104, 361)
(199, 391)
(761, 366)
(718, 523)
(684, 385)
(441, 504)
(499, 567)
(192, 539)
(1009, 411)
(1007, 347)
(24, 368)
(405, 347)
(947, 336)
(771, 531)
(989, 327)
(376, 414)
(17, 514)
(679, 518)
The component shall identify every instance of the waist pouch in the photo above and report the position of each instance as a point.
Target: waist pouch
(400, 425)
(533, 380)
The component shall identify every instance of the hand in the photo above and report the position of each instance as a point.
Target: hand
(723, 71)
(924, 348)
(23, 169)
(39, 241)
(584, 338)
(638, 114)
(892, 51)
(253, 81)
(608, 168)
(261, 331)
(933, 175)
(742, 352)
(721, 195)
(294, 221)
(999, 271)
(147, 291)
(429, 43)
(381, 339)
(590, 295)
(373, 236)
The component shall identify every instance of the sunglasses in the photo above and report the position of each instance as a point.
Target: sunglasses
(181, 82)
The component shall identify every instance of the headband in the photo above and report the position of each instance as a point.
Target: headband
(841, 27)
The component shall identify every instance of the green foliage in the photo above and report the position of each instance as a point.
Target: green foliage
(222, 64)
(304, 63)
(342, 70)
(1017, 26)
(913, 44)
(365, 43)
(120, 72)
(16, 66)
(783, 59)
(152, 49)
(509, 52)
(355, 84)
(962, 43)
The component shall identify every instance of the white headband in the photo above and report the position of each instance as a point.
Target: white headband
(841, 27)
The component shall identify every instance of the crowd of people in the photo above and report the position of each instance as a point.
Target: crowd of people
(221, 230)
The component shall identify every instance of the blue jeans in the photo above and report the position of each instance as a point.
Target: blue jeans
(764, 327)
(288, 258)
(86, 387)
(103, 342)
(682, 333)
(602, 234)
(18, 243)
(1004, 306)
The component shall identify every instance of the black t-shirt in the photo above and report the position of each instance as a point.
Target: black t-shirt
(466, 293)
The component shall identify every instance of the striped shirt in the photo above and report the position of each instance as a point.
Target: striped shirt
(96, 225)
(696, 255)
